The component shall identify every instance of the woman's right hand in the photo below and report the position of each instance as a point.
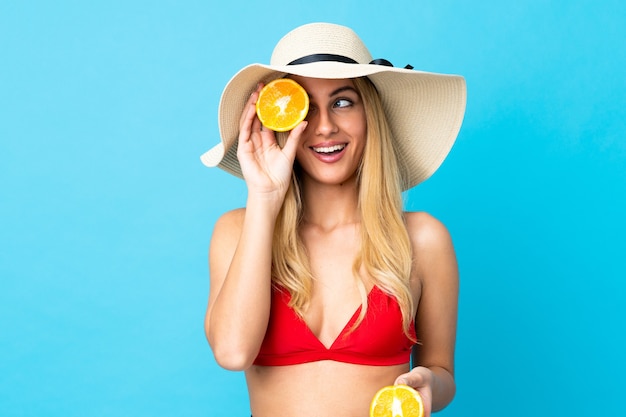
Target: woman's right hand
(265, 166)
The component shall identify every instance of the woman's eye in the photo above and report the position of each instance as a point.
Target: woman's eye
(343, 102)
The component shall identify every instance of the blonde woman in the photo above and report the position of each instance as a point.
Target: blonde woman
(322, 287)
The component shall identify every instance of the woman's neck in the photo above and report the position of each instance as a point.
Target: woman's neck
(329, 206)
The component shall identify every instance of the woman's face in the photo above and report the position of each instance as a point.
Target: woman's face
(333, 141)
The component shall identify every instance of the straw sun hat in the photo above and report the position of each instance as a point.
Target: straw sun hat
(424, 110)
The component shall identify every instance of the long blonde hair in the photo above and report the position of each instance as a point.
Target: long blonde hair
(385, 255)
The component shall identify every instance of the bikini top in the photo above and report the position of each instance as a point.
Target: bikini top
(378, 340)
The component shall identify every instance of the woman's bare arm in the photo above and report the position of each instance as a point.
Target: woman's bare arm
(240, 256)
(239, 298)
(436, 271)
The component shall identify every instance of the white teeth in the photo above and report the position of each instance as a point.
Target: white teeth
(329, 149)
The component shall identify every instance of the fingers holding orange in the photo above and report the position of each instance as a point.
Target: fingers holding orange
(248, 114)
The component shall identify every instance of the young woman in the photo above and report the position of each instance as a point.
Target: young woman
(321, 287)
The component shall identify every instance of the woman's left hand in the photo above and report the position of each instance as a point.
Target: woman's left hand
(420, 378)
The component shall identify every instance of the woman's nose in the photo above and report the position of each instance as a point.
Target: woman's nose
(326, 125)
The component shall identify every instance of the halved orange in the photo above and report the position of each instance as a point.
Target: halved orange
(397, 401)
(282, 104)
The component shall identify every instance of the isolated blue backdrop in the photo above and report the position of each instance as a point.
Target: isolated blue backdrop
(106, 211)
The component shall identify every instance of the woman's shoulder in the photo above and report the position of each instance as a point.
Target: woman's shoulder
(426, 231)
(233, 215)
(229, 222)
(435, 257)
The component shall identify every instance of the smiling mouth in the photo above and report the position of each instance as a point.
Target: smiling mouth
(327, 150)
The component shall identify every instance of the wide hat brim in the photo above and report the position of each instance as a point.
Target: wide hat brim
(424, 111)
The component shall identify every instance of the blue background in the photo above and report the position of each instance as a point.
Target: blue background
(106, 211)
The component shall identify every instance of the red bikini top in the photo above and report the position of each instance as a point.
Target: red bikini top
(378, 340)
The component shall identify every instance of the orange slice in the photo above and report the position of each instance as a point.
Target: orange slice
(397, 401)
(282, 104)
